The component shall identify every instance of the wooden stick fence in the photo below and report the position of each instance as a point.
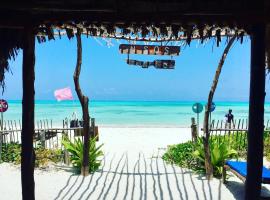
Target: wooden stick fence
(45, 135)
(235, 133)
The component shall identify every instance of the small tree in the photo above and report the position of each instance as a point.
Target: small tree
(208, 165)
(84, 103)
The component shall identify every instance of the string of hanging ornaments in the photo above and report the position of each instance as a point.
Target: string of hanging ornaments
(158, 50)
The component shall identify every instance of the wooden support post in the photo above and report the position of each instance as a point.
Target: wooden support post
(256, 114)
(28, 124)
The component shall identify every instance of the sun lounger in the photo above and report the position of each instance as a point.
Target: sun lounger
(239, 168)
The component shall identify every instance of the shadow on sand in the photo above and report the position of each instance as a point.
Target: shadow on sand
(237, 188)
(124, 177)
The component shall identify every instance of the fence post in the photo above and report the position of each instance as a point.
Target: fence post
(66, 155)
(92, 128)
(42, 138)
(193, 130)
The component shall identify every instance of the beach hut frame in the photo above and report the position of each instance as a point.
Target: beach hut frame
(21, 21)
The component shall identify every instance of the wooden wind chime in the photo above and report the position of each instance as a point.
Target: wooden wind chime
(150, 50)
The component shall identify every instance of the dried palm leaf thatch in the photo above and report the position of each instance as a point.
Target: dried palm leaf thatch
(11, 41)
(142, 31)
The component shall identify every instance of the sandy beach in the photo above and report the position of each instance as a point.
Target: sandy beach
(132, 168)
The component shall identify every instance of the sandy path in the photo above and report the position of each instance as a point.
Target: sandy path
(132, 169)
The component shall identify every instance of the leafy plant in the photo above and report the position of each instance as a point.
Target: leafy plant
(46, 156)
(267, 145)
(222, 147)
(220, 152)
(76, 153)
(11, 152)
(181, 154)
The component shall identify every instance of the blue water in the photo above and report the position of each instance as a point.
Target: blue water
(130, 113)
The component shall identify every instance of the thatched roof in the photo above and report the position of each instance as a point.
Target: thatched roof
(132, 20)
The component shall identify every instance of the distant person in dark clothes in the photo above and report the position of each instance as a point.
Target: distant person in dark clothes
(229, 119)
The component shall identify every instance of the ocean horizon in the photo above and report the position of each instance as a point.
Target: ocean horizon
(130, 113)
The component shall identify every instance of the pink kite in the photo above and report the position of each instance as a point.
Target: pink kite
(63, 94)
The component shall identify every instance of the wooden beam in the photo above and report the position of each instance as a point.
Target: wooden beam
(256, 114)
(27, 154)
(191, 6)
(17, 19)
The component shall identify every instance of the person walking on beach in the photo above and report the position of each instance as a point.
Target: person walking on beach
(229, 119)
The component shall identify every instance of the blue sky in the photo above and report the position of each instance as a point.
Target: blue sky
(106, 76)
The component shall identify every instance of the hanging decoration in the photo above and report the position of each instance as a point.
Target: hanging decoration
(149, 49)
(159, 64)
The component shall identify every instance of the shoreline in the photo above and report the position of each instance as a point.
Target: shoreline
(152, 114)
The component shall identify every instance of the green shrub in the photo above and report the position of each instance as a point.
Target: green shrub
(46, 156)
(181, 154)
(222, 147)
(235, 140)
(11, 152)
(76, 153)
(238, 141)
(191, 155)
(220, 152)
(267, 145)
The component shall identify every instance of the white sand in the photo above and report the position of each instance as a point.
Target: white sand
(132, 169)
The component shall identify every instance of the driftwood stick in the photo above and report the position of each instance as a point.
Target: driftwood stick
(208, 165)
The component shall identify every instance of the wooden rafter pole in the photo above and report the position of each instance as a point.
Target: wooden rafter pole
(208, 165)
(28, 107)
(256, 113)
(84, 103)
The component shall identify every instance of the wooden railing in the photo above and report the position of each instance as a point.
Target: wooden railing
(234, 133)
(45, 134)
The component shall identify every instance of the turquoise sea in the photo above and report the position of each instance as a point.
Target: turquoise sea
(130, 113)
